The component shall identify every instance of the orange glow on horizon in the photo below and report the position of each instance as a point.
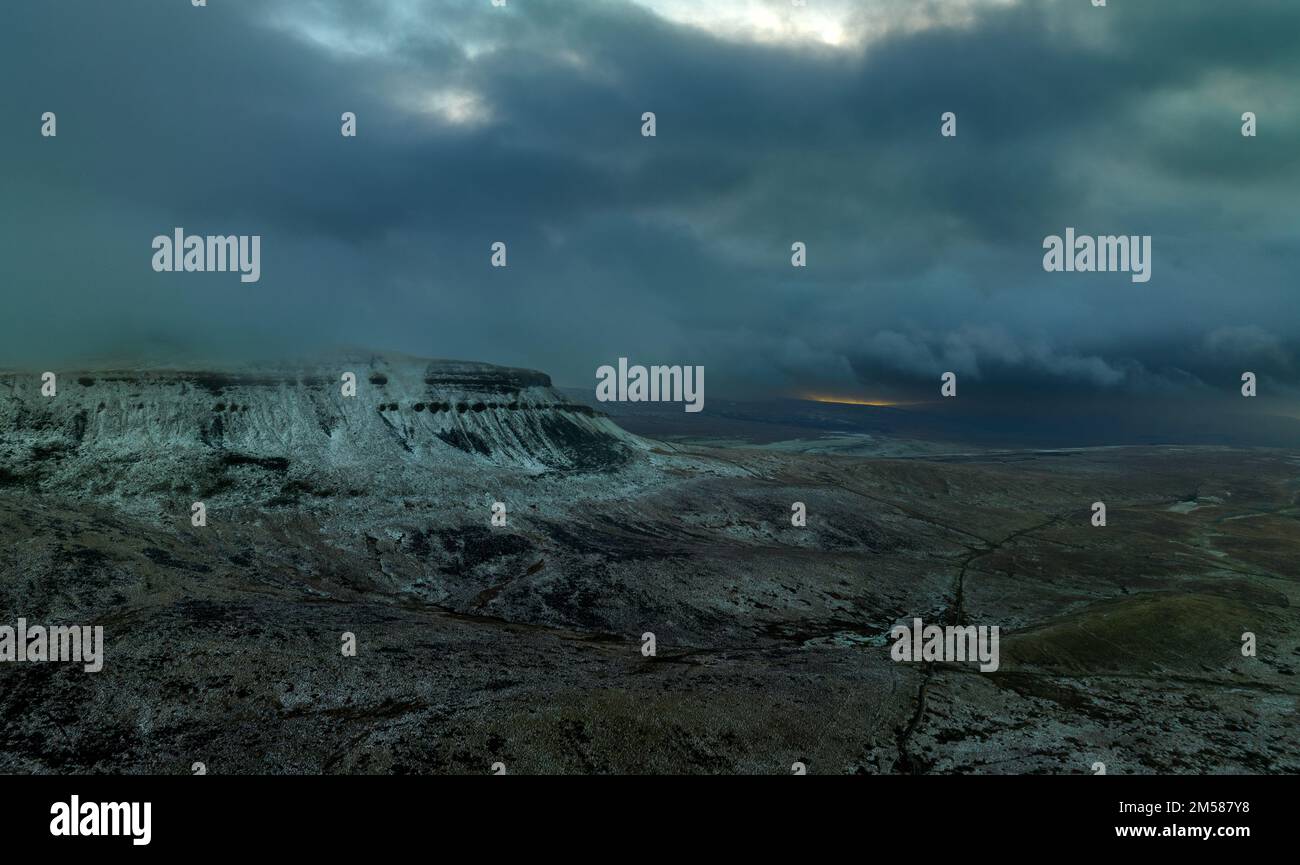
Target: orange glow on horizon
(848, 400)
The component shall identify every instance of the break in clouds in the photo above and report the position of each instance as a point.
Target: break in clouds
(775, 125)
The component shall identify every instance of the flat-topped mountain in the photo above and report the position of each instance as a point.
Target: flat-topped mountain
(351, 422)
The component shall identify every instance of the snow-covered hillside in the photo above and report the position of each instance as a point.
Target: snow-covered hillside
(277, 435)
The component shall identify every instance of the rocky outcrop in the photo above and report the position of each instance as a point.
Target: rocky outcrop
(274, 435)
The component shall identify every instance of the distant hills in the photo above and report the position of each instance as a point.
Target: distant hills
(928, 428)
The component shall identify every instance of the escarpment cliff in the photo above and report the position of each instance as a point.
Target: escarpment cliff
(278, 435)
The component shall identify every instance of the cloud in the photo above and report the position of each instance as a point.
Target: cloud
(521, 124)
(1248, 343)
(980, 352)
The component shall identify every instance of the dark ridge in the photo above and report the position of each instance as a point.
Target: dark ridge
(216, 486)
(84, 561)
(607, 540)
(467, 441)
(378, 379)
(471, 546)
(274, 464)
(495, 381)
(393, 431)
(417, 543)
(167, 560)
(419, 406)
(79, 423)
(290, 495)
(211, 434)
(211, 613)
(216, 383)
(44, 452)
(324, 419)
(85, 381)
(583, 450)
(9, 479)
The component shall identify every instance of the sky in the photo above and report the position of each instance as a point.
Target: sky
(775, 124)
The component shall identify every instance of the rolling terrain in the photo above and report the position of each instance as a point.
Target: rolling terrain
(521, 643)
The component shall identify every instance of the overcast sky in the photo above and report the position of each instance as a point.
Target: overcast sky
(775, 124)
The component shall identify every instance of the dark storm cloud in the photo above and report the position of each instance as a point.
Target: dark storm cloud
(479, 124)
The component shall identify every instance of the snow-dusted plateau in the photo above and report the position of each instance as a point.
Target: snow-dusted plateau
(522, 643)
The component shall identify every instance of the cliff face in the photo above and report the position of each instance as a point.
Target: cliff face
(265, 435)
